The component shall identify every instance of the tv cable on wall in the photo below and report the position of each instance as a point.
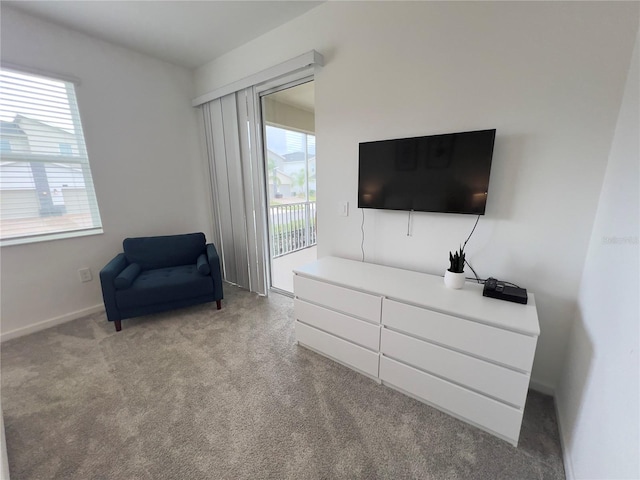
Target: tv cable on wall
(362, 230)
(465, 244)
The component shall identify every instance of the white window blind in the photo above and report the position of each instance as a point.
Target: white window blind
(46, 190)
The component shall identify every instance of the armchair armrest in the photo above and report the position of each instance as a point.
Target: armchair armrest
(107, 277)
(112, 269)
(216, 273)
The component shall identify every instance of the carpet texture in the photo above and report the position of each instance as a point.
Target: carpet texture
(206, 394)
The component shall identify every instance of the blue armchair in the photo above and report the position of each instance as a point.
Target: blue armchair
(155, 274)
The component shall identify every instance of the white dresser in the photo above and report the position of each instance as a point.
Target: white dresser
(465, 354)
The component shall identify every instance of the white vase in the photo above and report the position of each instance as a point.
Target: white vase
(454, 280)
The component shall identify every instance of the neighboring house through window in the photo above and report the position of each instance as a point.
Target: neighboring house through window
(292, 155)
(65, 149)
(45, 180)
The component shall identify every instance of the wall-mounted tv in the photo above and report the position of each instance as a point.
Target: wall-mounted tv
(439, 173)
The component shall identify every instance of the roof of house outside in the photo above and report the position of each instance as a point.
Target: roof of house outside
(10, 128)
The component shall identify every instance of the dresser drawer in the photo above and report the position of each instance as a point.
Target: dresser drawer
(502, 346)
(358, 331)
(484, 412)
(499, 382)
(358, 304)
(345, 352)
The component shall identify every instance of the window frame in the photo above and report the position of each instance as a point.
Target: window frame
(80, 161)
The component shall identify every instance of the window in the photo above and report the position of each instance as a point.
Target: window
(46, 189)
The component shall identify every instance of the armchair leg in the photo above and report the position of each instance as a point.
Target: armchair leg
(219, 304)
(118, 325)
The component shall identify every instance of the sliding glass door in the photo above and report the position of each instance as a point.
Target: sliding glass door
(290, 174)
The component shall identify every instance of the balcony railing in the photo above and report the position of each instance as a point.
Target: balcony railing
(293, 227)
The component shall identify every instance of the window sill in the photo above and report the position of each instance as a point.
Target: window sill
(50, 236)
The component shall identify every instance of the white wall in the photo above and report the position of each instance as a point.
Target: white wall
(598, 397)
(145, 154)
(548, 75)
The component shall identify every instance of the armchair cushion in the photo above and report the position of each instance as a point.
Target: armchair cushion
(127, 276)
(165, 285)
(203, 265)
(164, 252)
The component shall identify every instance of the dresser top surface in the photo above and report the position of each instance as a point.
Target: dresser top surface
(427, 291)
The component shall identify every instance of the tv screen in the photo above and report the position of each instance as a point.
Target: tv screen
(438, 173)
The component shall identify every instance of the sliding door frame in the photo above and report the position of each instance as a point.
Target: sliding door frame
(261, 91)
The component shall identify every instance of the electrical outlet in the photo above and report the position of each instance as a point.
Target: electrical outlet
(85, 275)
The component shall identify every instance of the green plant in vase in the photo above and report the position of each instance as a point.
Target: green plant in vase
(457, 261)
(454, 275)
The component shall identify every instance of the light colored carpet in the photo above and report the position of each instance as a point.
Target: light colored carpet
(205, 394)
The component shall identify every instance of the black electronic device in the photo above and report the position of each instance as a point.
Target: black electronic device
(495, 289)
(438, 173)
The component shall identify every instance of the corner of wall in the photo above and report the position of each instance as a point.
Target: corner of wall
(564, 444)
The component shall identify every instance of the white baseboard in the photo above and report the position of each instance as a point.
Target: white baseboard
(542, 388)
(19, 332)
(564, 445)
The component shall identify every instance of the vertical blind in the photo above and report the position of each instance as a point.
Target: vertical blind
(46, 189)
(239, 224)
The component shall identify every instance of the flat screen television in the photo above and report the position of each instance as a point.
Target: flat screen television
(438, 173)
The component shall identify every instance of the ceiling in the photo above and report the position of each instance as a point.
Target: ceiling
(186, 33)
